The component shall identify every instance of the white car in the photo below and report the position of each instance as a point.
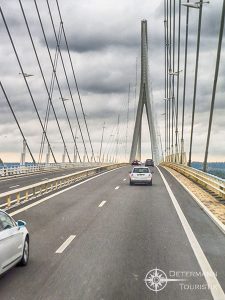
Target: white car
(14, 242)
(141, 175)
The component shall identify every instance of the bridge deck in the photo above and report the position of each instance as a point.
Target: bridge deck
(137, 229)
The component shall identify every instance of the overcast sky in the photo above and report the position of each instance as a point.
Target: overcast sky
(104, 40)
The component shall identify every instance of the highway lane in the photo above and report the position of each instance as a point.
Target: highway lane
(10, 184)
(122, 232)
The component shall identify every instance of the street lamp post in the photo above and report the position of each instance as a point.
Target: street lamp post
(48, 155)
(100, 152)
(214, 85)
(75, 150)
(197, 5)
(182, 158)
(64, 155)
(23, 154)
(26, 75)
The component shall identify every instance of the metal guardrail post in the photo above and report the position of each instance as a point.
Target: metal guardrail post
(9, 201)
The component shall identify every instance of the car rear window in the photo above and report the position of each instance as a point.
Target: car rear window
(140, 170)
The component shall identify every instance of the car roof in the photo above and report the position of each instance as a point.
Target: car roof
(140, 167)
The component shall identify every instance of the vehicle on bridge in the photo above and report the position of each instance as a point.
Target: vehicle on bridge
(141, 175)
(136, 162)
(149, 162)
(14, 242)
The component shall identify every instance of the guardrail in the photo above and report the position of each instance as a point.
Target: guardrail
(211, 183)
(32, 191)
(21, 170)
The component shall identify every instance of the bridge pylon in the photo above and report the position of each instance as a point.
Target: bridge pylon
(144, 100)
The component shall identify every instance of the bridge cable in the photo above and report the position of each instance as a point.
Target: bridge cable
(17, 122)
(214, 86)
(67, 80)
(51, 88)
(75, 80)
(56, 77)
(30, 93)
(109, 144)
(43, 77)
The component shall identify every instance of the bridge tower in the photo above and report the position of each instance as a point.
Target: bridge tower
(144, 100)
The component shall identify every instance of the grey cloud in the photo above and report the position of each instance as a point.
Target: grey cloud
(104, 42)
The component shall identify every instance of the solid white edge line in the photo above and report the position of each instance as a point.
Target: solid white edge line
(212, 282)
(117, 187)
(202, 205)
(65, 244)
(58, 193)
(102, 203)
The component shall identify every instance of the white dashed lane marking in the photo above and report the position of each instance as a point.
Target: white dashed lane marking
(102, 203)
(65, 244)
(14, 186)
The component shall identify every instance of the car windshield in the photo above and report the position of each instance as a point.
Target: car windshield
(140, 170)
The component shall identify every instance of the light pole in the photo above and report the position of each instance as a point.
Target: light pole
(178, 85)
(75, 149)
(64, 151)
(197, 5)
(100, 152)
(214, 86)
(26, 75)
(48, 155)
(167, 154)
(64, 99)
(182, 160)
(174, 111)
(23, 154)
(165, 79)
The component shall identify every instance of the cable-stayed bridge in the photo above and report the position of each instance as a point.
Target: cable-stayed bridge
(92, 234)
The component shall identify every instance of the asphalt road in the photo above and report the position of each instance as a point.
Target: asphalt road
(135, 230)
(10, 184)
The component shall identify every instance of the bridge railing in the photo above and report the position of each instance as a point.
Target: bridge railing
(210, 182)
(14, 197)
(21, 169)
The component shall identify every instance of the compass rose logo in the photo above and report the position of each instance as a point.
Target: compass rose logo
(156, 280)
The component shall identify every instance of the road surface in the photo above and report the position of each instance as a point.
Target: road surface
(109, 235)
(9, 184)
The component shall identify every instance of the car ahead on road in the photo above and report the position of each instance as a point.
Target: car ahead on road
(141, 175)
(14, 242)
(136, 163)
(149, 162)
